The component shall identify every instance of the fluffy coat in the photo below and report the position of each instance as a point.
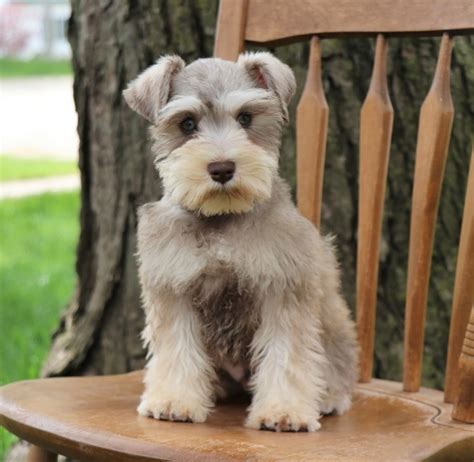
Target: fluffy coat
(236, 283)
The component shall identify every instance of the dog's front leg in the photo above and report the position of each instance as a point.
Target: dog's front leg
(288, 362)
(179, 376)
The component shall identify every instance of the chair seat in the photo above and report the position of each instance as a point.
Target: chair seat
(94, 418)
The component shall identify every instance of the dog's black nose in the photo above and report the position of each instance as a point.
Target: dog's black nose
(222, 172)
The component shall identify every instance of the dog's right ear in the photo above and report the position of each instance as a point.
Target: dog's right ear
(150, 91)
(269, 72)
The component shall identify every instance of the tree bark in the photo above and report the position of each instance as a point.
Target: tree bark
(113, 41)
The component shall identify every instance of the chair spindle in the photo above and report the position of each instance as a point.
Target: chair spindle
(434, 132)
(230, 32)
(463, 294)
(37, 454)
(464, 406)
(376, 123)
(311, 133)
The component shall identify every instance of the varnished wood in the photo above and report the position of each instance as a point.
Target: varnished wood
(286, 21)
(37, 454)
(311, 132)
(464, 405)
(95, 419)
(230, 31)
(376, 123)
(462, 298)
(434, 131)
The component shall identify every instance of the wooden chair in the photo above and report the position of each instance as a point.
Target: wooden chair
(94, 418)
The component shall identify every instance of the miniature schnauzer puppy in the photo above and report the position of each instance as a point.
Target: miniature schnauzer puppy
(237, 286)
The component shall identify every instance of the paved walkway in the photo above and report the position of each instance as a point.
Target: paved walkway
(38, 118)
(21, 188)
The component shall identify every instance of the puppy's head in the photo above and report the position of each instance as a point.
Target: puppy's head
(216, 128)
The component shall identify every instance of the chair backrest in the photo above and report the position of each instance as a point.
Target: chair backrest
(279, 22)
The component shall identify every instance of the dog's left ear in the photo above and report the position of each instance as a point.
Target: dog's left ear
(269, 72)
(150, 91)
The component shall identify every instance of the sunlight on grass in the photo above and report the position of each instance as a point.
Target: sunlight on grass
(38, 237)
(10, 67)
(19, 168)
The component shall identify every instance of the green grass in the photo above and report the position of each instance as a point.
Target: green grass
(37, 246)
(10, 67)
(18, 168)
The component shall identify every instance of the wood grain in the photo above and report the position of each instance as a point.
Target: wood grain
(305, 18)
(230, 29)
(462, 297)
(464, 405)
(376, 124)
(311, 132)
(434, 131)
(95, 419)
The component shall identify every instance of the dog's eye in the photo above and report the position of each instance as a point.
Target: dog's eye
(244, 119)
(188, 125)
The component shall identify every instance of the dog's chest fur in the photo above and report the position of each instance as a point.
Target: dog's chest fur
(225, 302)
(228, 315)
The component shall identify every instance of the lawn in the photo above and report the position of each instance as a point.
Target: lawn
(10, 67)
(38, 236)
(18, 168)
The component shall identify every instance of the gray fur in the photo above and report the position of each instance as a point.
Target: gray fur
(245, 284)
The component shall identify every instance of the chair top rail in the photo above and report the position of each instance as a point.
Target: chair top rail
(330, 18)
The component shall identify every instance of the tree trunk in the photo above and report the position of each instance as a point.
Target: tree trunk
(112, 42)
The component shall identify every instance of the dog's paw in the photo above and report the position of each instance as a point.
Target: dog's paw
(175, 410)
(283, 421)
(338, 405)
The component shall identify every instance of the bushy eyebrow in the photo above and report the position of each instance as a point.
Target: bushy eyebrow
(255, 99)
(179, 107)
